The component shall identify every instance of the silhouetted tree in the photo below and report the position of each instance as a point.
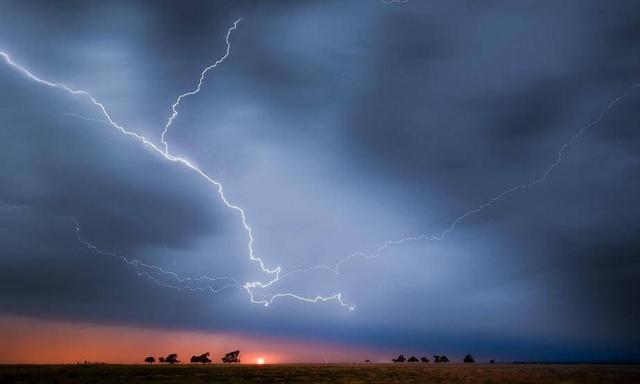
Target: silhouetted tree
(492, 361)
(399, 359)
(204, 358)
(413, 359)
(231, 357)
(150, 360)
(469, 359)
(161, 359)
(172, 359)
(424, 359)
(367, 361)
(440, 359)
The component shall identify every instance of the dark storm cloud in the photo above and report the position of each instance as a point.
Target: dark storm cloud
(337, 126)
(57, 168)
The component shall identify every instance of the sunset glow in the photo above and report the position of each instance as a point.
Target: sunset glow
(216, 185)
(63, 342)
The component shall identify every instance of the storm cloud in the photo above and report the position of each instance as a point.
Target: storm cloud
(337, 126)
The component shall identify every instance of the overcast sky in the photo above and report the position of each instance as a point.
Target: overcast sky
(336, 126)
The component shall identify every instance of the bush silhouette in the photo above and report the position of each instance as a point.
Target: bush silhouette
(172, 359)
(204, 358)
(399, 359)
(492, 361)
(231, 357)
(150, 360)
(469, 359)
(440, 359)
(161, 359)
(413, 359)
(424, 359)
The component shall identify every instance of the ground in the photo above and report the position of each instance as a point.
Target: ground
(360, 373)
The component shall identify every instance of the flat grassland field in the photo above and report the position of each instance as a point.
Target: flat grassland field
(357, 373)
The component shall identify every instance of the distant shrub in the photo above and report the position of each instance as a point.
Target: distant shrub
(172, 359)
(204, 358)
(440, 359)
(231, 357)
(399, 359)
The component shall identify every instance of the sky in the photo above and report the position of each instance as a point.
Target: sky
(334, 127)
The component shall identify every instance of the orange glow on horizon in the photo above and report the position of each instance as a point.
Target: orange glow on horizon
(42, 341)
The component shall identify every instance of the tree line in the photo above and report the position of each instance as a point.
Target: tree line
(228, 358)
(436, 359)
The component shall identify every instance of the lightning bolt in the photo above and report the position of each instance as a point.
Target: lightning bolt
(13, 206)
(142, 269)
(85, 118)
(142, 266)
(276, 272)
(249, 286)
(460, 219)
(174, 111)
(256, 298)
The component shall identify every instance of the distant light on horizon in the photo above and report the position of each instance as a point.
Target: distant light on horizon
(465, 194)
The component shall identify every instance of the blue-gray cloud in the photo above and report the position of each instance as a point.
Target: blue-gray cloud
(337, 126)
